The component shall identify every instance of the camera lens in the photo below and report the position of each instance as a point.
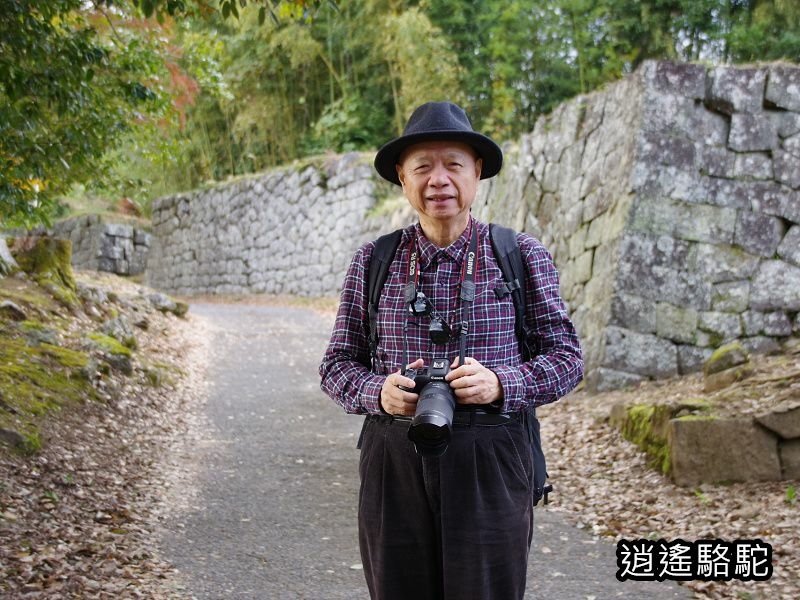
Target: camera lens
(431, 427)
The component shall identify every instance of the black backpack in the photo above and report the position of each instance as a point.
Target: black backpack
(508, 256)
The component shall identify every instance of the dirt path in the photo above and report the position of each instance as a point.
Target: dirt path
(274, 513)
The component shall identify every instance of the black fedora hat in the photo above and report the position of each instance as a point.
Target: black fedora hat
(438, 121)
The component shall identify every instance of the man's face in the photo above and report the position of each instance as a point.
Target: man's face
(440, 178)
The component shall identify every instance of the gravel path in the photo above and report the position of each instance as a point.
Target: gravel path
(273, 515)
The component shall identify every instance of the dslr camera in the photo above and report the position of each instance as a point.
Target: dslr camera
(433, 419)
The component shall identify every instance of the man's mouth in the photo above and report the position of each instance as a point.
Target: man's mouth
(439, 198)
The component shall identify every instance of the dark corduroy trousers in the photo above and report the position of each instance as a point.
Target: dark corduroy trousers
(455, 527)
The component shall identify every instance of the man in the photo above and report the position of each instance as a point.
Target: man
(458, 525)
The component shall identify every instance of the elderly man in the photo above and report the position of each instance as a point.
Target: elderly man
(453, 520)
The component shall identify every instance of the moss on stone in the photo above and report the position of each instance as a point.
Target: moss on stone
(106, 343)
(48, 261)
(646, 425)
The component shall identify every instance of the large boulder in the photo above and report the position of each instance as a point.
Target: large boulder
(712, 450)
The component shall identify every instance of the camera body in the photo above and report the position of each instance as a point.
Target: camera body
(432, 424)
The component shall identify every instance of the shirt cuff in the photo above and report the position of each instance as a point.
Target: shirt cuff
(513, 388)
(371, 394)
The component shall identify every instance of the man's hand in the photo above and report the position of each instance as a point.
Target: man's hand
(396, 401)
(473, 383)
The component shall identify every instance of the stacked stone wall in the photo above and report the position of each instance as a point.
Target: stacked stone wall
(289, 231)
(670, 202)
(99, 245)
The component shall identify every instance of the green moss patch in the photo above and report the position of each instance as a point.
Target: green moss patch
(108, 344)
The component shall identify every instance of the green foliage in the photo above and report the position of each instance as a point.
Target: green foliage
(791, 496)
(71, 83)
(202, 90)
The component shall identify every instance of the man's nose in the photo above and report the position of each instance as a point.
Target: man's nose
(439, 176)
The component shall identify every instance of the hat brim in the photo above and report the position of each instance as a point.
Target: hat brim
(389, 154)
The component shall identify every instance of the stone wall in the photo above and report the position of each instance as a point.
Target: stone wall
(670, 201)
(290, 231)
(98, 245)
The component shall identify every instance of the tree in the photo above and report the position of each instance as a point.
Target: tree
(66, 95)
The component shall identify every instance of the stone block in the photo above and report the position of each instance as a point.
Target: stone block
(753, 165)
(753, 322)
(777, 324)
(142, 238)
(717, 161)
(716, 263)
(783, 87)
(758, 233)
(679, 78)
(119, 230)
(633, 312)
(776, 286)
(691, 222)
(731, 296)
(676, 323)
(775, 199)
(789, 248)
(602, 379)
(709, 450)
(790, 459)
(783, 420)
(752, 133)
(723, 327)
(724, 358)
(583, 267)
(669, 151)
(731, 90)
(760, 345)
(639, 353)
(787, 168)
(691, 358)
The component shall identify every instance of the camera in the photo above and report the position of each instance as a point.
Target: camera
(433, 419)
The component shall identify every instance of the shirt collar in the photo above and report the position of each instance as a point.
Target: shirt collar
(454, 251)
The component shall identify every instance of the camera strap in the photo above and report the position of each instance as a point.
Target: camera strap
(467, 285)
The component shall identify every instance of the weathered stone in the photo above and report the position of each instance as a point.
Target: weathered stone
(735, 90)
(7, 263)
(12, 310)
(757, 233)
(726, 357)
(753, 165)
(784, 420)
(752, 133)
(708, 450)
(790, 459)
(776, 286)
(724, 379)
(777, 324)
(679, 78)
(603, 379)
(681, 288)
(691, 222)
(753, 322)
(692, 358)
(787, 168)
(640, 353)
(119, 230)
(789, 248)
(760, 345)
(775, 199)
(120, 329)
(717, 161)
(12, 438)
(676, 323)
(633, 312)
(731, 296)
(723, 327)
(718, 263)
(783, 87)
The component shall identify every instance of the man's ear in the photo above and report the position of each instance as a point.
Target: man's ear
(478, 167)
(400, 175)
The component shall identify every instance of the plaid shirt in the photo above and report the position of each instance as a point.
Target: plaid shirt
(555, 370)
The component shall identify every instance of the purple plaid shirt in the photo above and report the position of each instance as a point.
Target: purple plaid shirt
(556, 369)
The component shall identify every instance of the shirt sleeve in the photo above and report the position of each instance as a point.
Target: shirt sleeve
(345, 376)
(557, 363)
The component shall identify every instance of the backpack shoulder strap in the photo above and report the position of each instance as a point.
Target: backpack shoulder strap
(509, 258)
(382, 256)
